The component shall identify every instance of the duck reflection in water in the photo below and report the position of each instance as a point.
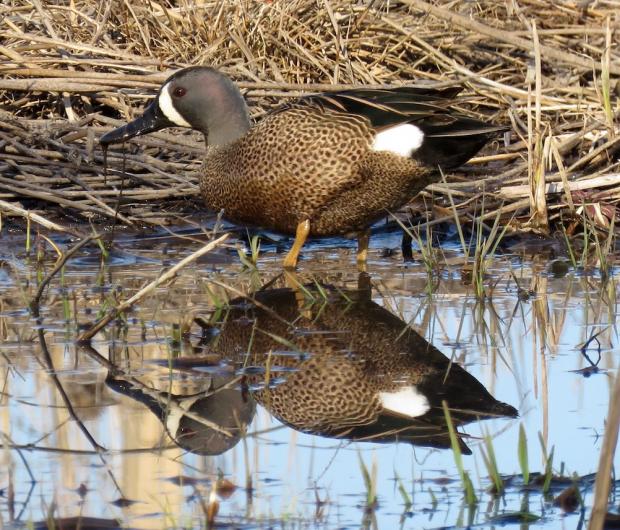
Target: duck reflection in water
(337, 365)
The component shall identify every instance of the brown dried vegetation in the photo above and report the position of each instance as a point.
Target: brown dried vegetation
(72, 70)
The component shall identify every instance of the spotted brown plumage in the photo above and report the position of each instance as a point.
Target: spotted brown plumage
(322, 165)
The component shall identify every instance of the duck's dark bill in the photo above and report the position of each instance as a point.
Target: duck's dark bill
(152, 120)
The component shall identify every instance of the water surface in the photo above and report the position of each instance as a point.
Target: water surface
(277, 399)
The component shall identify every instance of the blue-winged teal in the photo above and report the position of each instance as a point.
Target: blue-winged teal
(321, 165)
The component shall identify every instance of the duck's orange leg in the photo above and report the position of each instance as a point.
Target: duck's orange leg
(363, 238)
(303, 229)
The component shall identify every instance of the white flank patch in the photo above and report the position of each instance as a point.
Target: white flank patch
(167, 107)
(402, 140)
(406, 401)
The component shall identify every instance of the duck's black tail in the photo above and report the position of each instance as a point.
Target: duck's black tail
(455, 141)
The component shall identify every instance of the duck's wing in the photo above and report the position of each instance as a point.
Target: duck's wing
(450, 137)
(385, 107)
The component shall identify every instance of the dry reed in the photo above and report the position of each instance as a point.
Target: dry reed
(75, 69)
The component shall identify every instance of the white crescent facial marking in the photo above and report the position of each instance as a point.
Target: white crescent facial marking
(403, 140)
(167, 107)
(406, 401)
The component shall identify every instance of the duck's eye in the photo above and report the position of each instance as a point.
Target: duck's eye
(179, 92)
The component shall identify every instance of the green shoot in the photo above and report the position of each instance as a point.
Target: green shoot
(523, 459)
(490, 462)
(370, 481)
(434, 502)
(28, 235)
(426, 250)
(403, 493)
(548, 473)
(457, 220)
(468, 487)
(251, 260)
(569, 246)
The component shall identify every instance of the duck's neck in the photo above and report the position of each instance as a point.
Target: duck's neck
(227, 118)
(232, 127)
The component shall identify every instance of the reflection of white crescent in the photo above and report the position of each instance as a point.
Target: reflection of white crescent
(176, 413)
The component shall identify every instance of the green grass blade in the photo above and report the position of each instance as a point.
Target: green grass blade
(490, 462)
(523, 460)
(468, 487)
(403, 493)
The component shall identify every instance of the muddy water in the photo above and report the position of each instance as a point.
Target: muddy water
(276, 407)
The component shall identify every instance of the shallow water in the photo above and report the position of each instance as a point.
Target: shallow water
(95, 431)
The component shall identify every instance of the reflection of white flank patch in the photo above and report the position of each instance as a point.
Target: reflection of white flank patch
(406, 401)
(402, 139)
(167, 107)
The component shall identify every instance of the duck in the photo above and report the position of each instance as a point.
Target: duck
(321, 165)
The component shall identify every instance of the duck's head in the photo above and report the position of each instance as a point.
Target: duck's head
(200, 98)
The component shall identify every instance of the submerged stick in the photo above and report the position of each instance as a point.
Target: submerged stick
(169, 274)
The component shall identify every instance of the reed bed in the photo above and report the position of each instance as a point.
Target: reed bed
(75, 69)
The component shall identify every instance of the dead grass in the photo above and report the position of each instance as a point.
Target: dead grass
(73, 70)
